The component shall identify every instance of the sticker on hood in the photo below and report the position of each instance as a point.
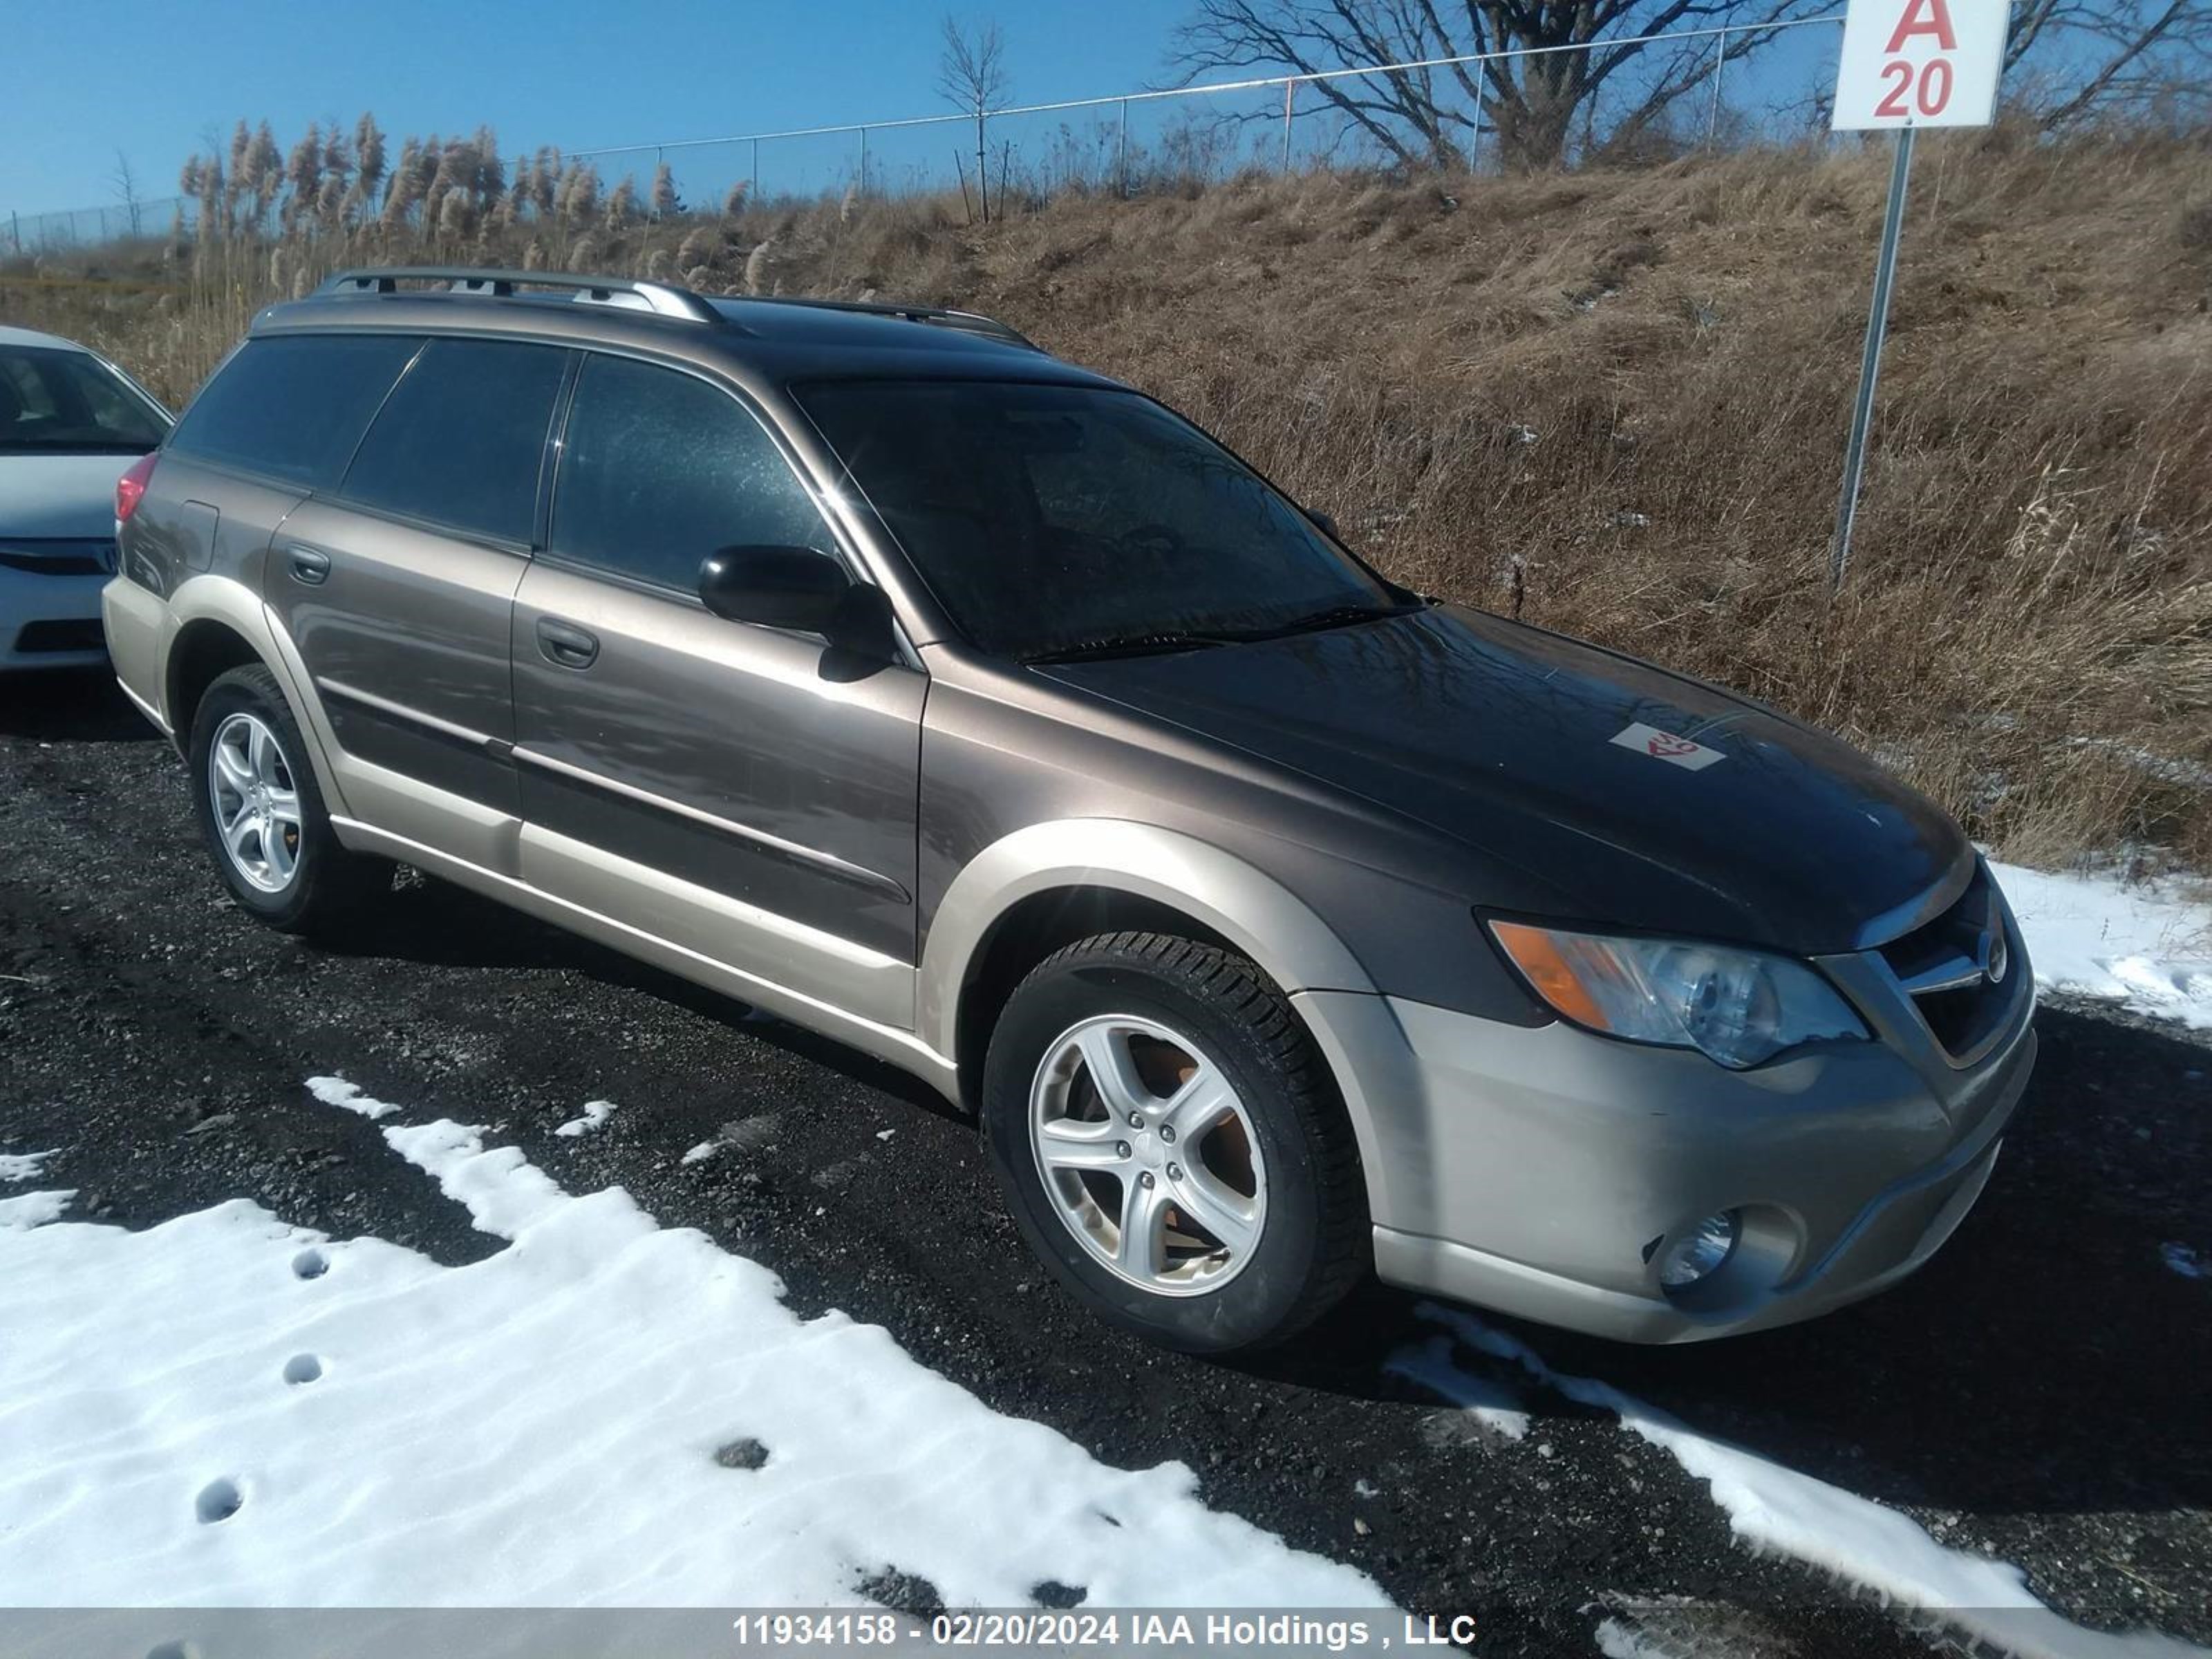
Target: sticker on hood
(1690, 756)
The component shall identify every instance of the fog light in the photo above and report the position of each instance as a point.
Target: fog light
(1699, 1253)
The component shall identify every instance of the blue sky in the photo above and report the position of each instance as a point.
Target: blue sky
(80, 79)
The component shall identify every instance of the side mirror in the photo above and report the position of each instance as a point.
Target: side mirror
(1327, 524)
(796, 588)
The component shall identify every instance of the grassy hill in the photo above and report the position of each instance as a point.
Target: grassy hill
(1612, 403)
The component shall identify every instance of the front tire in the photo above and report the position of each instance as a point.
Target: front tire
(262, 813)
(1172, 1146)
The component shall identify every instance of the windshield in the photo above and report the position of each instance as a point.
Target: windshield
(1053, 519)
(53, 400)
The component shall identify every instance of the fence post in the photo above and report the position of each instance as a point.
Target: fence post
(1122, 159)
(1713, 120)
(1474, 144)
(15, 230)
(1289, 86)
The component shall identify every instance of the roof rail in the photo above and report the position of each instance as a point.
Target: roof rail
(661, 299)
(970, 321)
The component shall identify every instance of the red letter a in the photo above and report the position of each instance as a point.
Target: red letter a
(1925, 17)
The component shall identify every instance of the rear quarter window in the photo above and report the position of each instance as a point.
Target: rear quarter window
(293, 406)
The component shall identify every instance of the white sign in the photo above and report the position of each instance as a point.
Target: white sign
(1920, 63)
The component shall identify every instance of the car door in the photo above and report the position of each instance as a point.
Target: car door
(397, 587)
(737, 790)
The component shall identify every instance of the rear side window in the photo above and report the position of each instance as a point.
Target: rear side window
(462, 438)
(293, 406)
(658, 468)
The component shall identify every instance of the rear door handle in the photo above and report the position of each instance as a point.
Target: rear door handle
(565, 645)
(308, 566)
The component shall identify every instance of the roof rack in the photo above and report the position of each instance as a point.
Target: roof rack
(971, 322)
(661, 299)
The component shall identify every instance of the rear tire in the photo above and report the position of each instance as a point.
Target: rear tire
(262, 815)
(1172, 1145)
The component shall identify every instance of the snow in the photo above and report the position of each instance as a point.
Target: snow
(2185, 1260)
(337, 1091)
(596, 1112)
(1616, 1641)
(32, 1210)
(1778, 1510)
(2146, 946)
(228, 1410)
(1430, 1364)
(701, 1153)
(23, 1166)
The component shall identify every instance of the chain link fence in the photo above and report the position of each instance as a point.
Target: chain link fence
(1143, 140)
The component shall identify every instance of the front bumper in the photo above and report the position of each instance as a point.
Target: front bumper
(49, 621)
(1542, 1172)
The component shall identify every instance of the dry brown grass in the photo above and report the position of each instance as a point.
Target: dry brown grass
(1614, 403)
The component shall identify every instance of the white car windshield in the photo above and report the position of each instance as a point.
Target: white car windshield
(56, 401)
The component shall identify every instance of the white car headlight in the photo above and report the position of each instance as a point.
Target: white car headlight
(1739, 1007)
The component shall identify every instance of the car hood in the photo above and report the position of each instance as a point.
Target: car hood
(59, 498)
(1518, 745)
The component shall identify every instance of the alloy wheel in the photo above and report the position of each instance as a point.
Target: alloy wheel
(1148, 1154)
(255, 801)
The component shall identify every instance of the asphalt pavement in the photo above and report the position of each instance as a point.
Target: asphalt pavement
(2038, 1393)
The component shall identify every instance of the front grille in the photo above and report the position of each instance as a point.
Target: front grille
(34, 638)
(1964, 971)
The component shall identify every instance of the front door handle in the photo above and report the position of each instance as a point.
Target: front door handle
(308, 566)
(565, 645)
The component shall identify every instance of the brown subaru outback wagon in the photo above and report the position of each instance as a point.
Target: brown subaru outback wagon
(872, 665)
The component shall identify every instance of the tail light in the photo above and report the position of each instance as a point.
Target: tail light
(130, 488)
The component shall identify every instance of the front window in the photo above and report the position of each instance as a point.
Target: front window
(1058, 520)
(660, 469)
(56, 401)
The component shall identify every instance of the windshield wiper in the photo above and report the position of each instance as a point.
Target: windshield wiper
(1124, 645)
(1335, 616)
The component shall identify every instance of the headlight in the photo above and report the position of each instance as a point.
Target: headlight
(1739, 1007)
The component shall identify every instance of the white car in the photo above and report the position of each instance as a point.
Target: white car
(70, 423)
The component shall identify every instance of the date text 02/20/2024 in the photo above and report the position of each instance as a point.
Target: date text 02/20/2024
(1030, 1627)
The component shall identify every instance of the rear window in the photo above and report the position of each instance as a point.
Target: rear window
(462, 438)
(293, 406)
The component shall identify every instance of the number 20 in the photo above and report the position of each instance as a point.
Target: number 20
(1932, 94)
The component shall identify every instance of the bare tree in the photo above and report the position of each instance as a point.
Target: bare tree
(2128, 56)
(126, 190)
(1542, 62)
(972, 75)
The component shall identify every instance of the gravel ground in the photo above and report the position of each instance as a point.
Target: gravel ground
(2037, 1393)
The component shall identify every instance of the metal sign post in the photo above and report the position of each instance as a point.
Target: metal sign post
(1884, 276)
(1906, 65)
